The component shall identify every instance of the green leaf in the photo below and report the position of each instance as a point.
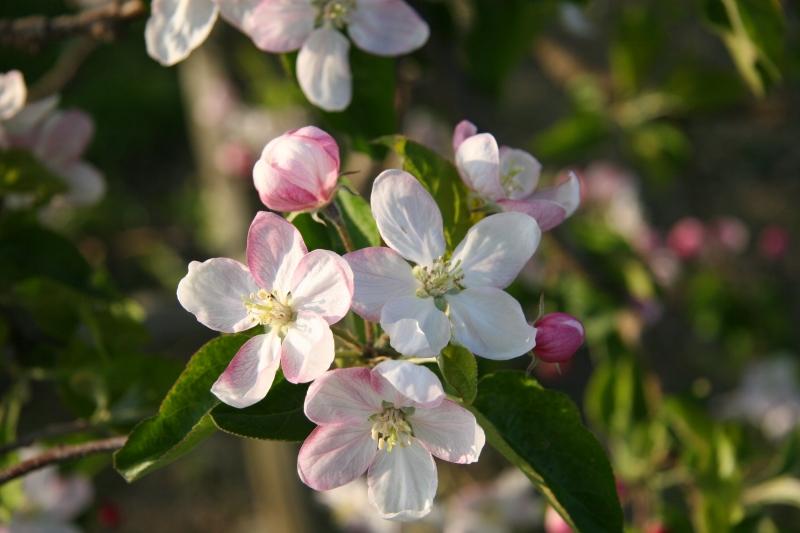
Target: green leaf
(183, 419)
(441, 179)
(315, 235)
(279, 416)
(541, 432)
(460, 370)
(358, 219)
(21, 173)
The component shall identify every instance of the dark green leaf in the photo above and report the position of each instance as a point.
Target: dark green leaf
(541, 432)
(358, 219)
(460, 370)
(279, 416)
(315, 235)
(441, 178)
(183, 419)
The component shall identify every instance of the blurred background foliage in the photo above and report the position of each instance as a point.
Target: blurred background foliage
(682, 119)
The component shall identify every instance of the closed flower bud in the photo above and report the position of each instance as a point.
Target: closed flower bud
(298, 171)
(558, 337)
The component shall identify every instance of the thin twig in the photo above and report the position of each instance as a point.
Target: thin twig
(60, 454)
(53, 430)
(65, 68)
(99, 23)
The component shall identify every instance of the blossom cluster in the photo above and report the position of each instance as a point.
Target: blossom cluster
(314, 27)
(385, 416)
(56, 138)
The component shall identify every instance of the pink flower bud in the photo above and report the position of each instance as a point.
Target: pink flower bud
(553, 523)
(686, 238)
(558, 337)
(773, 242)
(298, 171)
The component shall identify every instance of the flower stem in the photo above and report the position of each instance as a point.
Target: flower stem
(332, 215)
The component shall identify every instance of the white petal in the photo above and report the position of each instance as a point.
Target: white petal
(478, 162)
(21, 127)
(402, 483)
(323, 284)
(176, 27)
(415, 326)
(404, 383)
(345, 395)
(379, 274)
(519, 172)
(387, 27)
(449, 432)
(86, 184)
(12, 94)
(323, 69)
(495, 249)
(550, 207)
(250, 373)
(214, 292)
(63, 137)
(463, 131)
(308, 348)
(335, 454)
(407, 216)
(273, 25)
(490, 323)
(274, 249)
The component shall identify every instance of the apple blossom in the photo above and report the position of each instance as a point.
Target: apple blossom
(388, 422)
(294, 294)
(507, 177)
(442, 296)
(381, 27)
(298, 171)
(687, 238)
(12, 94)
(558, 337)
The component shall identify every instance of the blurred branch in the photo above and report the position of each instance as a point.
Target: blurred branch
(53, 430)
(65, 68)
(98, 23)
(60, 454)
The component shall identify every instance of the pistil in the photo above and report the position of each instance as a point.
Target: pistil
(268, 310)
(390, 427)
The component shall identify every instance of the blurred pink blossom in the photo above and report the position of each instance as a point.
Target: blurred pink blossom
(687, 238)
(773, 242)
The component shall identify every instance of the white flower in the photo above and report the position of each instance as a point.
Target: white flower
(295, 295)
(442, 296)
(12, 93)
(387, 422)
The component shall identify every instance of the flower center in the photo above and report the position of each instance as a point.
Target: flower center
(268, 310)
(390, 427)
(439, 278)
(508, 179)
(335, 12)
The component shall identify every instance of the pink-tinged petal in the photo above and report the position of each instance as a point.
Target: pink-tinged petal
(407, 384)
(298, 171)
(22, 128)
(13, 93)
(323, 69)
(407, 216)
(449, 432)
(86, 184)
(402, 483)
(478, 163)
(550, 207)
(274, 249)
(495, 249)
(387, 27)
(490, 323)
(335, 454)
(214, 291)
(342, 396)
(323, 284)
(63, 137)
(250, 373)
(415, 326)
(380, 274)
(176, 27)
(519, 172)
(558, 337)
(463, 131)
(274, 25)
(308, 348)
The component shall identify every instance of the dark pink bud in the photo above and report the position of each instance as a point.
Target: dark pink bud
(558, 337)
(686, 237)
(773, 242)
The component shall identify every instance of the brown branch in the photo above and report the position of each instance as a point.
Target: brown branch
(99, 23)
(60, 454)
